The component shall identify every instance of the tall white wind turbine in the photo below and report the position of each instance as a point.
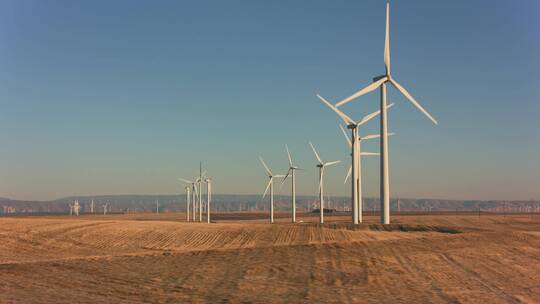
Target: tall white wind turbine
(270, 186)
(359, 176)
(355, 155)
(291, 172)
(380, 82)
(321, 165)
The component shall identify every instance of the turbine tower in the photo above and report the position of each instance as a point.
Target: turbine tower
(291, 172)
(380, 82)
(187, 203)
(355, 155)
(200, 181)
(208, 181)
(270, 186)
(321, 165)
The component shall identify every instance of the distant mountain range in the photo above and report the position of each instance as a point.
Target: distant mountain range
(227, 202)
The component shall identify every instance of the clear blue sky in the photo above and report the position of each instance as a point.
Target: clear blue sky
(115, 97)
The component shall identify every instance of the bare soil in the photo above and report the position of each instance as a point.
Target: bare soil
(149, 258)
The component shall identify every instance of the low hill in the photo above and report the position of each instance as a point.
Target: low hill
(229, 203)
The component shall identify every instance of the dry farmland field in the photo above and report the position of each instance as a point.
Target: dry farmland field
(148, 258)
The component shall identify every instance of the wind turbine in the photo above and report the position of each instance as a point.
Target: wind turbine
(187, 203)
(355, 158)
(270, 186)
(208, 181)
(199, 181)
(291, 172)
(321, 165)
(194, 195)
(380, 82)
(76, 207)
(359, 176)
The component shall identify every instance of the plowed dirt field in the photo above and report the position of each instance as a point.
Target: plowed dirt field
(144, 258)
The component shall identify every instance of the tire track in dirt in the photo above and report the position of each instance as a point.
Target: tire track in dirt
(472, 274)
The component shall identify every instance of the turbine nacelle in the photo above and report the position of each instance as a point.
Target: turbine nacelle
(375, 79)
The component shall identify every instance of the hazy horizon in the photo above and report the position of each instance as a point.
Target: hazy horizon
(123, 97)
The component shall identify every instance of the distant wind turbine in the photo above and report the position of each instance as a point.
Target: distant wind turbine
(76, 208)
(194, 195)
(270, 186)
(321, 165)
(187, 203)
(291, 172)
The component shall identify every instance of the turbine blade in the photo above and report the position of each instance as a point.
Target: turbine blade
(371, 136)
(331, 163)
(281, 185)
(348, 175)
(363, 91)
(346, 136)
(266, 190)
(343, 116)
(289, 155)
(316, 154)
(265, 166)
(387, 40)
(287, 175)
(184, 180)
(412, 100)
(369, 154)
(369, 117)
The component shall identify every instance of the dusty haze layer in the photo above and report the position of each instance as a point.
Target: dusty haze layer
(141, 258)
